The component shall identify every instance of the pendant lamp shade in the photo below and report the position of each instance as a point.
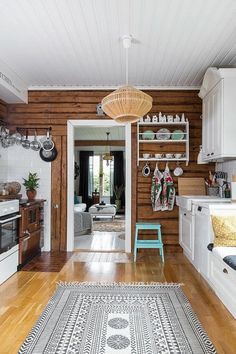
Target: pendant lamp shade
(127, 104)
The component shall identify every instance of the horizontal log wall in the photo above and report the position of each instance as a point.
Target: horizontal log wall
(54, 108)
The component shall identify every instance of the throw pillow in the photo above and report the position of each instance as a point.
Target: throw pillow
(225, 230)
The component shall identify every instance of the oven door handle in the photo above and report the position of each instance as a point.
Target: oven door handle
(10, 219)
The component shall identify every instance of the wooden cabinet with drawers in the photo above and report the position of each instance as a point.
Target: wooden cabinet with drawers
(30, 230)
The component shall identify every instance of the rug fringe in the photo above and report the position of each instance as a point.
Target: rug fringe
(119, 284)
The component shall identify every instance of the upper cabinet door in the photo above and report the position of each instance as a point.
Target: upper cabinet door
(216, 120)
(219, 107)
(212, 123)
(207, 128)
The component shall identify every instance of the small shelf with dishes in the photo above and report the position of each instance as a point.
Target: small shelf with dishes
(164, 134)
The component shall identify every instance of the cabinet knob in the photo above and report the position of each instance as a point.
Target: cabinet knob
(208, 154)
(225, 271)
(212, 153)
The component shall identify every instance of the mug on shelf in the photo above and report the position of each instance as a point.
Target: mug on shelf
(170, 119)
(146, 156)
(177, 118)
(178, 156)
(155, 119)
(147, 119)
(169, 156)
(159, 156)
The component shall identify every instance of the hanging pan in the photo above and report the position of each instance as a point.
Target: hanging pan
(48, 156)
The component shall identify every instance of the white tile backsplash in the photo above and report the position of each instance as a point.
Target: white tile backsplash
(16, 163)
(227, 166)
(3, 164)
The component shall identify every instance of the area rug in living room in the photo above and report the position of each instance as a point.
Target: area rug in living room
(109, 226)
(117, 318)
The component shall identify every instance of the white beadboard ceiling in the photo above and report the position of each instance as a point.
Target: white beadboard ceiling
(77, 43)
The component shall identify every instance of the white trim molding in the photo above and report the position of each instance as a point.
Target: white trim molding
(100, 88)
(71, 124)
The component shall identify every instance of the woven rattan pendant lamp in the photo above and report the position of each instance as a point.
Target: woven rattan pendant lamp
(127, 104)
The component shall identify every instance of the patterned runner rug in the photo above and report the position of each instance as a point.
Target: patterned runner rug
(118, 318)
(109, 226)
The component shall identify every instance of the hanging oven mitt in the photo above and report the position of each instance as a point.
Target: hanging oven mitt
(156, 189)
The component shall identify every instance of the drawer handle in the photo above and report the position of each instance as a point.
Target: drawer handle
(225, 271)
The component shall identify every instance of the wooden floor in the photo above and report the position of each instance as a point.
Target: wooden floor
(24, 295)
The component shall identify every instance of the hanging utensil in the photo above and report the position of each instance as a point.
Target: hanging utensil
(48, 156)
(48, 144)
(26, 143)
(35, 144)
(178, 171)
(18, 137)
(146, 170)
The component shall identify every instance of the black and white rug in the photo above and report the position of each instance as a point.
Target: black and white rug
(117, 318)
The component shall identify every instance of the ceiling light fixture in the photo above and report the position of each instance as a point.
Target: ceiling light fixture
(107, 156)
(127, 104)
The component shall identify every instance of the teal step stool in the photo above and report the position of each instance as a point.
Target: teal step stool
(148, 243)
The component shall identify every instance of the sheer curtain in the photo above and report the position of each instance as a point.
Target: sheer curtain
(86, 175)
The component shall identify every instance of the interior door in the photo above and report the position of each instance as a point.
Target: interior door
(59, 196)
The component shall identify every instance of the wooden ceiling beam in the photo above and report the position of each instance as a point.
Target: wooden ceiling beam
(99, 143)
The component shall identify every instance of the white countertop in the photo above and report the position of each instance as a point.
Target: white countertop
(186, 201)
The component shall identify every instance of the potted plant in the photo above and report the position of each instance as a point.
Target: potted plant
(31, 184)
(118, 190)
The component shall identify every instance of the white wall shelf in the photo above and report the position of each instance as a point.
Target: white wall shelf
(168, 141)
(156, 141)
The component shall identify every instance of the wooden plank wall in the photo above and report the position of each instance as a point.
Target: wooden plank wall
(54, 108)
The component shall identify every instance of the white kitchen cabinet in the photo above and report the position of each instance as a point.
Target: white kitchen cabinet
(203, 235)
(186, 232)
(219, 107)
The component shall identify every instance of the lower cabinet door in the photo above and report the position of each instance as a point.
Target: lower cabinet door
(186, 233)
(29, 246)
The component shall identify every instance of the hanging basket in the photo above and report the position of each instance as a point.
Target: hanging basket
(127, 104)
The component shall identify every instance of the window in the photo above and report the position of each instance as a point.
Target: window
(102, 175)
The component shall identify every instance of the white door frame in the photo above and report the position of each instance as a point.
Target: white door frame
(71, 124)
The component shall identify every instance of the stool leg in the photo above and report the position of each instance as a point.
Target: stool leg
(135, 244)
(161, 249)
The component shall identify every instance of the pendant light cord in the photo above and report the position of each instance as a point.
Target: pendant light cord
(126, 66)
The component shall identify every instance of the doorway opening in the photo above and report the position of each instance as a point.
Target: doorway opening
(99, 186)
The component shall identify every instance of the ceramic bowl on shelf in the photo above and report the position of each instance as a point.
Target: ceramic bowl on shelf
(146, 156)
(169, 156)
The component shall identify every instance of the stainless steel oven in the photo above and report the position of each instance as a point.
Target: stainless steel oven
(9, 226)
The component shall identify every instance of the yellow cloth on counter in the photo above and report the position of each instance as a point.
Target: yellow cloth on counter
(225, 230)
